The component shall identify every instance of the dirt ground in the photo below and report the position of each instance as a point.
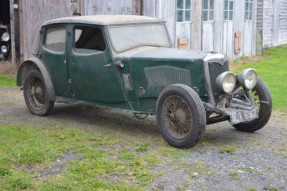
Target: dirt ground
(8, 68)
(224, 160)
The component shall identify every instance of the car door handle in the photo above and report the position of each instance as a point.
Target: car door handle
(65, 61)
(108, 66)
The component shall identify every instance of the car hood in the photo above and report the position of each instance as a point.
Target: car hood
(160, 54)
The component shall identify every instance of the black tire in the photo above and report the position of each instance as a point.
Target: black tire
(181, 116)
(263, 100)
(35, 94)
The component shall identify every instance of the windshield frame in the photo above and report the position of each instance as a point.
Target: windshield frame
(113, 47)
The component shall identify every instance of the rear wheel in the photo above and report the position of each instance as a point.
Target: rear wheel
(181, 116)
(35, 94)
(263, 101)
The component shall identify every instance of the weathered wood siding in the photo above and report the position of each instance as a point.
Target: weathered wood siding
(34, 13)
(228, 39)
(248, 38)
(217, 35)
(259, 28)
(274, 22)
(207, 36)
(282, 37)
(196, 28)
(220, 33)
(109, 7)
(149, 8)
(183, 31)
(259, 16)
(238, 19)
(267, 23)
(166, 10)
(252, 34)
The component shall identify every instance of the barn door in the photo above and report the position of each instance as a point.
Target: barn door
(208, 26)
(228, 28)
(248, 38)
(249, 24)
(228, 39)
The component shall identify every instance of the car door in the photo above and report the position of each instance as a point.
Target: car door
(93, 77)
(54, 56)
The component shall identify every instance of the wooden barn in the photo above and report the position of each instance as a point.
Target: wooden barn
(272, 22)
(233, 27)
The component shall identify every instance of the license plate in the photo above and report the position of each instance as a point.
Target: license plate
(240, 116)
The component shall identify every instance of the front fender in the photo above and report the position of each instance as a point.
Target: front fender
(35, 63)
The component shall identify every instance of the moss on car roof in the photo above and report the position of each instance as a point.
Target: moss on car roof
(105, 20)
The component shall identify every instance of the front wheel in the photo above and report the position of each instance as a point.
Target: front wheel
(35, 94)
(263, 101)
(181, 116)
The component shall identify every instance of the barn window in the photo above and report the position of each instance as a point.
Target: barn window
(228, 10)
(88, 39)
(183, 10)
(55, 39)
(208, 9)
(248, 9)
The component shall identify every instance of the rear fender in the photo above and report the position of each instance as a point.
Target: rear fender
(35, 63)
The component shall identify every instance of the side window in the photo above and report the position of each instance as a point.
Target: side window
(208, 9)
(228, 10)
(88, 39)
(55, 39)
(183, 10)
(248, 9)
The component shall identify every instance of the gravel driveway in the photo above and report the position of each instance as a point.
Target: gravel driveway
(224, 160)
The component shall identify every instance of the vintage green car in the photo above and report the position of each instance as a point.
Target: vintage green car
(127, 62)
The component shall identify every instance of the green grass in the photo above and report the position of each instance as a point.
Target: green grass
(27, 150)
(228, 150)
(7, 81)
(272, 69)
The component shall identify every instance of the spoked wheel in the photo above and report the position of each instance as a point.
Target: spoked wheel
(177, 117)
(35, 94)
(263, 101)
(181, 116)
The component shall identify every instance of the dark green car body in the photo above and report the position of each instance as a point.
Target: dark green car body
(95, 78)
(127, 62)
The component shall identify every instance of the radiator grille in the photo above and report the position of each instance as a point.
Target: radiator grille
(163, 76)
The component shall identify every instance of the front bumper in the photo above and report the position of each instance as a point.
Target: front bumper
(240, 115)
(237, 107)
(234, 115)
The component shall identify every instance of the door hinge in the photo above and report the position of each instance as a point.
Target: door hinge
(69, 81)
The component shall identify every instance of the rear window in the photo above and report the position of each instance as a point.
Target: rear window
(55, 39)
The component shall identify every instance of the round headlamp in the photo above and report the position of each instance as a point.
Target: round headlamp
(5, 36)
(248, 78)
(226, 82)
(4, 49)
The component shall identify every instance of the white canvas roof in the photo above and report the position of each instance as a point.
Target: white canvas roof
(105, 19)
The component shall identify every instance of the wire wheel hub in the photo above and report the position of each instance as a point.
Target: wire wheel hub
(177, 117)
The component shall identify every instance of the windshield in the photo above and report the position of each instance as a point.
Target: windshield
(126, 37)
